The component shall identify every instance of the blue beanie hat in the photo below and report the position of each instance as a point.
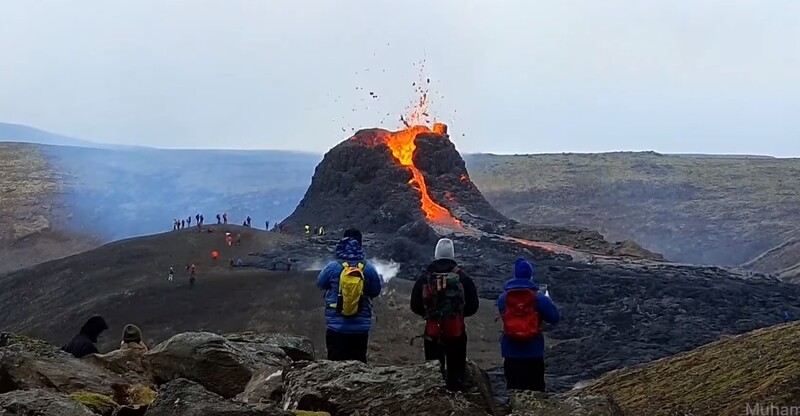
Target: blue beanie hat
(523, 269)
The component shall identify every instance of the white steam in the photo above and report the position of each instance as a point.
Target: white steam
(386, 269)
(317, 265)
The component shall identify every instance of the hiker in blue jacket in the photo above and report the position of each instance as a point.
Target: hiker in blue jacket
(523, 361)
(347, 337)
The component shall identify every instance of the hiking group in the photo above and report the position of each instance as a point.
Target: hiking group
(83, 344)
(199, 220)
(444, 295)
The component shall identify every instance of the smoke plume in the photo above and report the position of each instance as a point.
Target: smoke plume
(386, 269)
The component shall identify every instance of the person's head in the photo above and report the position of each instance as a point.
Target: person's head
(131, 333)
(94, 327)
(523, 269)
(354, 234)
(444, 250)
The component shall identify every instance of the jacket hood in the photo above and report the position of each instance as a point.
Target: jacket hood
(520, 284)
(94, 327)
(349, 248)
(442, 266)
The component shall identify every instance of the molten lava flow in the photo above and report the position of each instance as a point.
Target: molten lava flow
(403, 146)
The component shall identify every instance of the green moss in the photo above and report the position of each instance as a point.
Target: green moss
(141, 395)
(97, 403)
(716, 379)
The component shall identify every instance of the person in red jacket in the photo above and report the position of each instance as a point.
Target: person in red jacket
(444, 295)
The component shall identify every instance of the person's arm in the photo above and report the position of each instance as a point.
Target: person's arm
(547, 309)
(471, 300)
(501, 303)
(417, 302)
(373, 283)
(324, 277)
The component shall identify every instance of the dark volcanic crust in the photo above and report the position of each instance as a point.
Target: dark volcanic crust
(359, 183)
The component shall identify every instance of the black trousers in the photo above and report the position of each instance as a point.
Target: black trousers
(452, 357)
(344, 346)
(524, 373)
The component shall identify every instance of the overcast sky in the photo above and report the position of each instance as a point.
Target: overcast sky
(507, 76)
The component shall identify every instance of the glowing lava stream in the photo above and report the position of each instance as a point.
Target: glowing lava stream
(402, 145)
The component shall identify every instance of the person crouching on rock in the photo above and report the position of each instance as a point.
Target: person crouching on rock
(83, 343)
(444, 295)
(132, 339)
(349, 283)
(523, 309)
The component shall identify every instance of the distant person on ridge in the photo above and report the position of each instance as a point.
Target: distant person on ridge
(171, 274)
(224, 217)
(197, 218)
(523, 309)
(83, 343)
(444, 295)
(202, 219)
(349, 283)
(219, 219)
(266, 227)
(189, 222)
(192, 270)
(249, 221)
(132, 339)
(183, 222)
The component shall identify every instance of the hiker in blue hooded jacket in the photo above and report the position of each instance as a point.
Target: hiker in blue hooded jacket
(347, 335)
(523, 350)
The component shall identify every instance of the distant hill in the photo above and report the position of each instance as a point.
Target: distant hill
(691, 208)
(24, 134)
(782, 261)
(755, 370)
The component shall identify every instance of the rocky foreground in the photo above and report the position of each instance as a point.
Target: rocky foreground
(248, 374)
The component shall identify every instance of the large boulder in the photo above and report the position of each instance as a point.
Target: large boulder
(354, 388)
(40, 403)
(266, 386)
(221, 366)
(183, 397)
(128, 363)
(37, 365)
(525, 403)
(298, 348)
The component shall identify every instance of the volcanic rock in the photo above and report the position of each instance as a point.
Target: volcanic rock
(183, 397)
(266, 386)
(350, 387)
(128, 363)
(222, 366)
(361, 183)
(541, 404)
(40, 402)
(296, 347)
(39, 366)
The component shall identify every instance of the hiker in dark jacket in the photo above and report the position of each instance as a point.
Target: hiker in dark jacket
(523, 361)
(451, 352)
(83, 343)
(347, 338)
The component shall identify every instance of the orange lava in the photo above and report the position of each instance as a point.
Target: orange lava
(403, 146)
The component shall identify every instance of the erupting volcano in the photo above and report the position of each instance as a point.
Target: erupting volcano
(380, 180)
(403, 145)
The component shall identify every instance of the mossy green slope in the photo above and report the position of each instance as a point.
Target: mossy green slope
(722, 378)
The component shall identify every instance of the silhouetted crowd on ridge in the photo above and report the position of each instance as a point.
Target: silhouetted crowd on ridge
(199, 221)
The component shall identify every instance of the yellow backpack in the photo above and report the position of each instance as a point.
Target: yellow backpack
(351, 289)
